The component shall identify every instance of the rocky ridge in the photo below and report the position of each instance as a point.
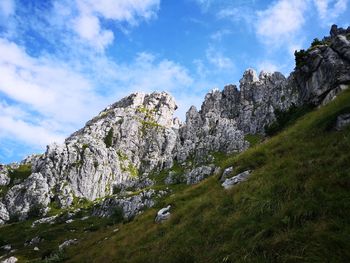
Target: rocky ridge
(138, 136)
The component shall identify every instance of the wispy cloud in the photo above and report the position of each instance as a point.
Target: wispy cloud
(217, 59)
(48, 94)
(279, 23)
(7, 8)
(329, 10)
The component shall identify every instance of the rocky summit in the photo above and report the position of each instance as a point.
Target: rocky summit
(135, 139)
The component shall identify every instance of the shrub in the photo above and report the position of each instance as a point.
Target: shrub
(286, 118)
(21, 173)
(300, 57)
(316, 42)
(108, 140)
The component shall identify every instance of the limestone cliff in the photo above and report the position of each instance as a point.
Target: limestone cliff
(139, 136)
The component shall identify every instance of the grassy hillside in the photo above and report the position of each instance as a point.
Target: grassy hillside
(294, 208)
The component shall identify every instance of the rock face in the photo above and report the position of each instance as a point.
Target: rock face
(325, 69)
(138, 136)
(31, 196)
(130, 206)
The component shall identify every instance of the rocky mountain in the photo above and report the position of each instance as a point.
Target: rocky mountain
(133, 140)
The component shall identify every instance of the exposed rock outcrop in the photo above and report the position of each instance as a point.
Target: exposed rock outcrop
(230, 182)
(128, 206)
(139, 136)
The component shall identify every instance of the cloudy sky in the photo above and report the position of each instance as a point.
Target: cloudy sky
(63, 61)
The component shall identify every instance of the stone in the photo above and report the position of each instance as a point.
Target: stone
(343, 120)
(30, 196)
(230, 182)
(69, 221)
(36, 249)
(199, 173)
(163, 214)
(138, 136)
(4, 214)
(10, 260)
(6, 247)
(227, 172)
(130, 206)
(67, 243)
(4, 179)
(45, 220)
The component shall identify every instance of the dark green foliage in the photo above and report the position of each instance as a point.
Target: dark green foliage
(108, 140)
(300, 58)
(117, 215)
(316, 42)
(286, 118)
(21, 173)
(35, 211)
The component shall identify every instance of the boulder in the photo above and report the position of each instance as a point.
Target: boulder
(343, 120)
(230, 182)
(67, 243)
(198, 174)
(163, 214)
(10, 260)
(4, 214)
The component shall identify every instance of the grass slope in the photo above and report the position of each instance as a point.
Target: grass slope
(294, 208)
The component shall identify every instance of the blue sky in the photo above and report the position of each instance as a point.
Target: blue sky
(63, 61)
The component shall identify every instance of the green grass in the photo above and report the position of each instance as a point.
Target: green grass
(294, 208)
(21, 173)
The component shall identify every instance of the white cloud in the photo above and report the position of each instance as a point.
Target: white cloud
(329, 10)
(88, 16)
(122, 10)
(216, 58)
(280, 23)
(88, 27)
(7, 7)
(50, 98)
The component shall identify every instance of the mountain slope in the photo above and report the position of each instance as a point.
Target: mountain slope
(294, 208)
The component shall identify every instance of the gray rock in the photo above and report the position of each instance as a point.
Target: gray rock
(343, 120)
(4, 178)
(10, 260)
(130, 206)
(46, 220)
(4, 214)
(198, 174)
(139, 135)
(36, 249)
(34, 241)
(163, 214)
(67, 243)
(227, 172)
(30, 196)
(7, 247)
(230, 182)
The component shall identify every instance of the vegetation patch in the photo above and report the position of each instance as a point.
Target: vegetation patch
(21, 173)
(108, 140)
(253, 139)
(286, 118)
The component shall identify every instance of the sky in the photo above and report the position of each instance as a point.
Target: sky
(63, 61)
